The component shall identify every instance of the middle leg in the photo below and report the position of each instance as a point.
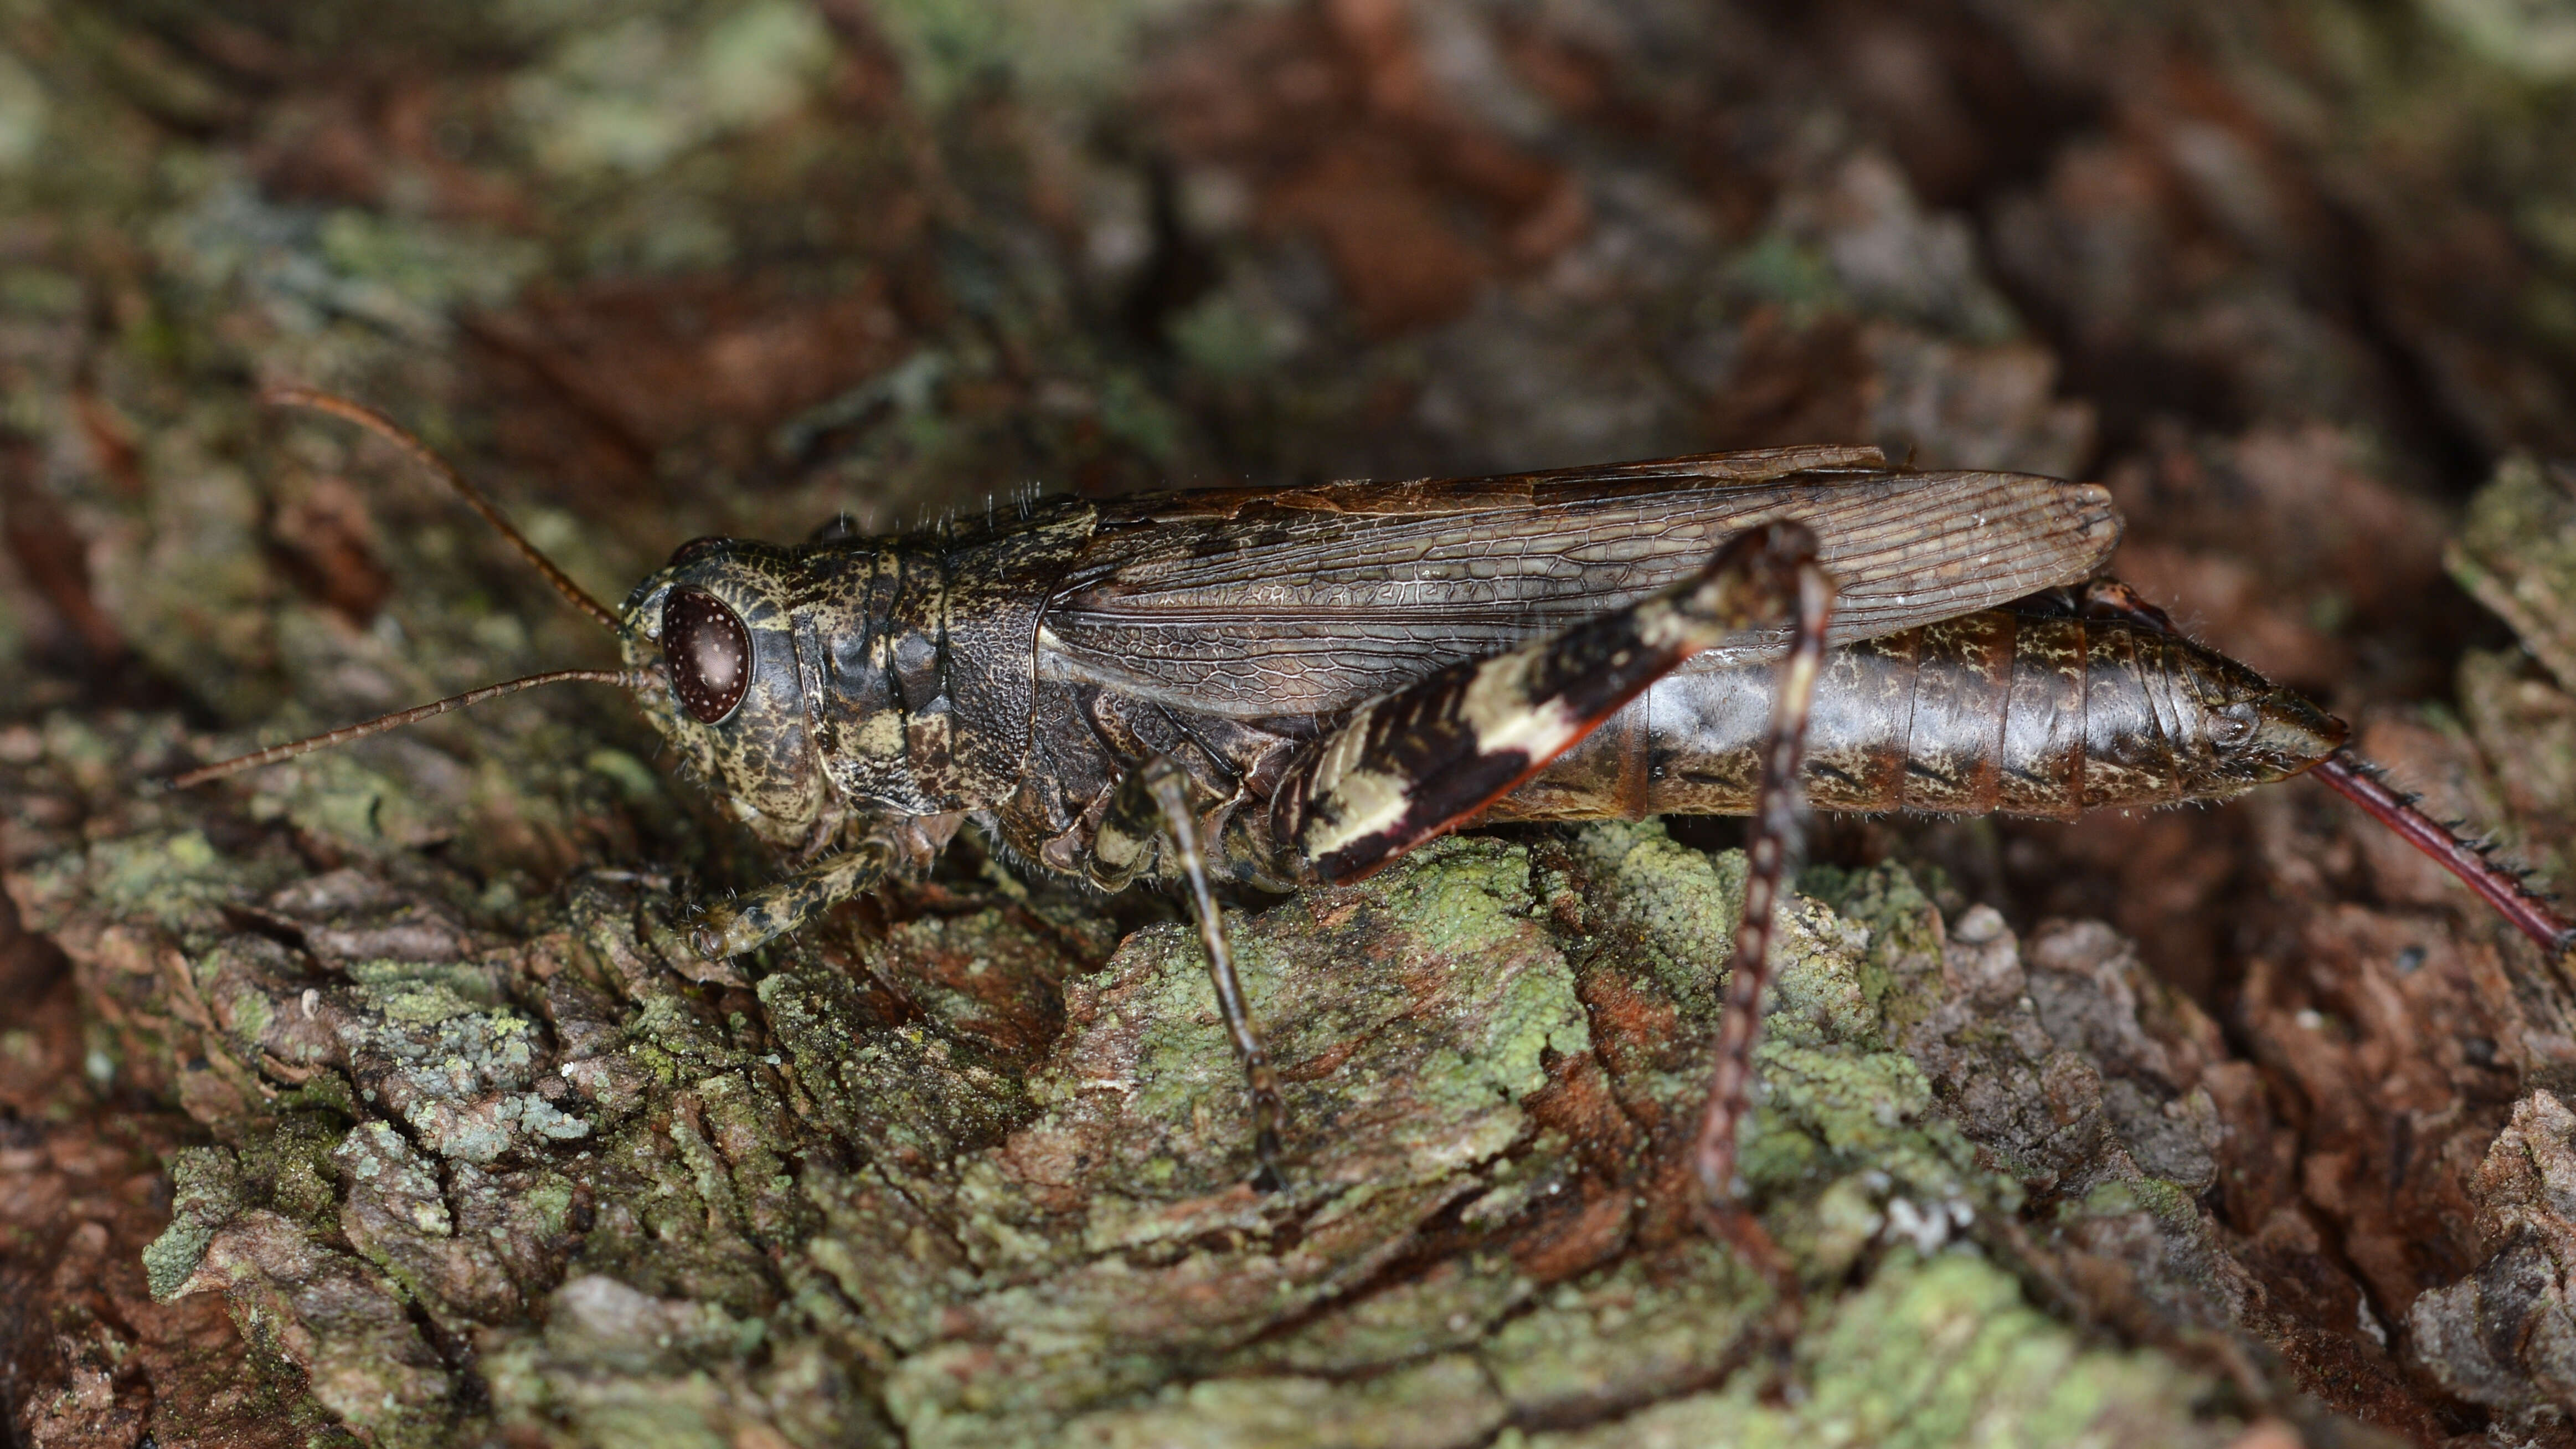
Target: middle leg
(1152, 810)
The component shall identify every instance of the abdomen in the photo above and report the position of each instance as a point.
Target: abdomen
(1988, 713)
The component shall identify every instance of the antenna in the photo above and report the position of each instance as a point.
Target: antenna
(394, 433)
(631, 679)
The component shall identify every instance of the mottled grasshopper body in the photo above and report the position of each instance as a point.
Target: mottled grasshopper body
(1298, 686)
(1022, 671)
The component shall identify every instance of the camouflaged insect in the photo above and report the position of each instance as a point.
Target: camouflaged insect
(1300, 685)
(1335, 670)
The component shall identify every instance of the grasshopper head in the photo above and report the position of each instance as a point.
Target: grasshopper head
(2256, 731)
(714, 627)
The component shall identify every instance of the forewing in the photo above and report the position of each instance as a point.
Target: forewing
(1303, 602)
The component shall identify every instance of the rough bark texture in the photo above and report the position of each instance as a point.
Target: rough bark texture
(351, 1100)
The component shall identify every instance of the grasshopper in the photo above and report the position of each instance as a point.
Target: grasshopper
(1286, 687)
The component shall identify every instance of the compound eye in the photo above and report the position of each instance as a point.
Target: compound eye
(709, 653)
(2232, 726)
(695, 548)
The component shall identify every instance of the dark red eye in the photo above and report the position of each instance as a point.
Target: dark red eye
(709, 652)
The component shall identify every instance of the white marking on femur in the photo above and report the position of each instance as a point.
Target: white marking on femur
(1496, 705)
(1362, 802)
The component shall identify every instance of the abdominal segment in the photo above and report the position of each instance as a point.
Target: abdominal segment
(1988, 713)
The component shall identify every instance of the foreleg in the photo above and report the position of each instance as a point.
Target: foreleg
(748, 922)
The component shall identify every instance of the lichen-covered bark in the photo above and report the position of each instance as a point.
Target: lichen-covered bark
(354, 1100)
(470, 1181)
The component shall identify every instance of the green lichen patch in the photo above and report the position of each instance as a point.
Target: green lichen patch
(915, 1096)
(1650, 1327)
(1406, 1018)
(1676, 900)
(1440, 1402)
(1425, 1025)
(615, 1366)
(1932, 1352)
(205, 1193)
(2524, 727)
(467, 1244)
(290, 1168)
(175, 879)
(627, 100)
(1450, 1306)
(1858, 1167)
(1826, 1113)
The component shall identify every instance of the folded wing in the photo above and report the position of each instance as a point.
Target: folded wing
(1305, 601)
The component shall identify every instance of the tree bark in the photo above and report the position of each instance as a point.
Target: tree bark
(355, 1100)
